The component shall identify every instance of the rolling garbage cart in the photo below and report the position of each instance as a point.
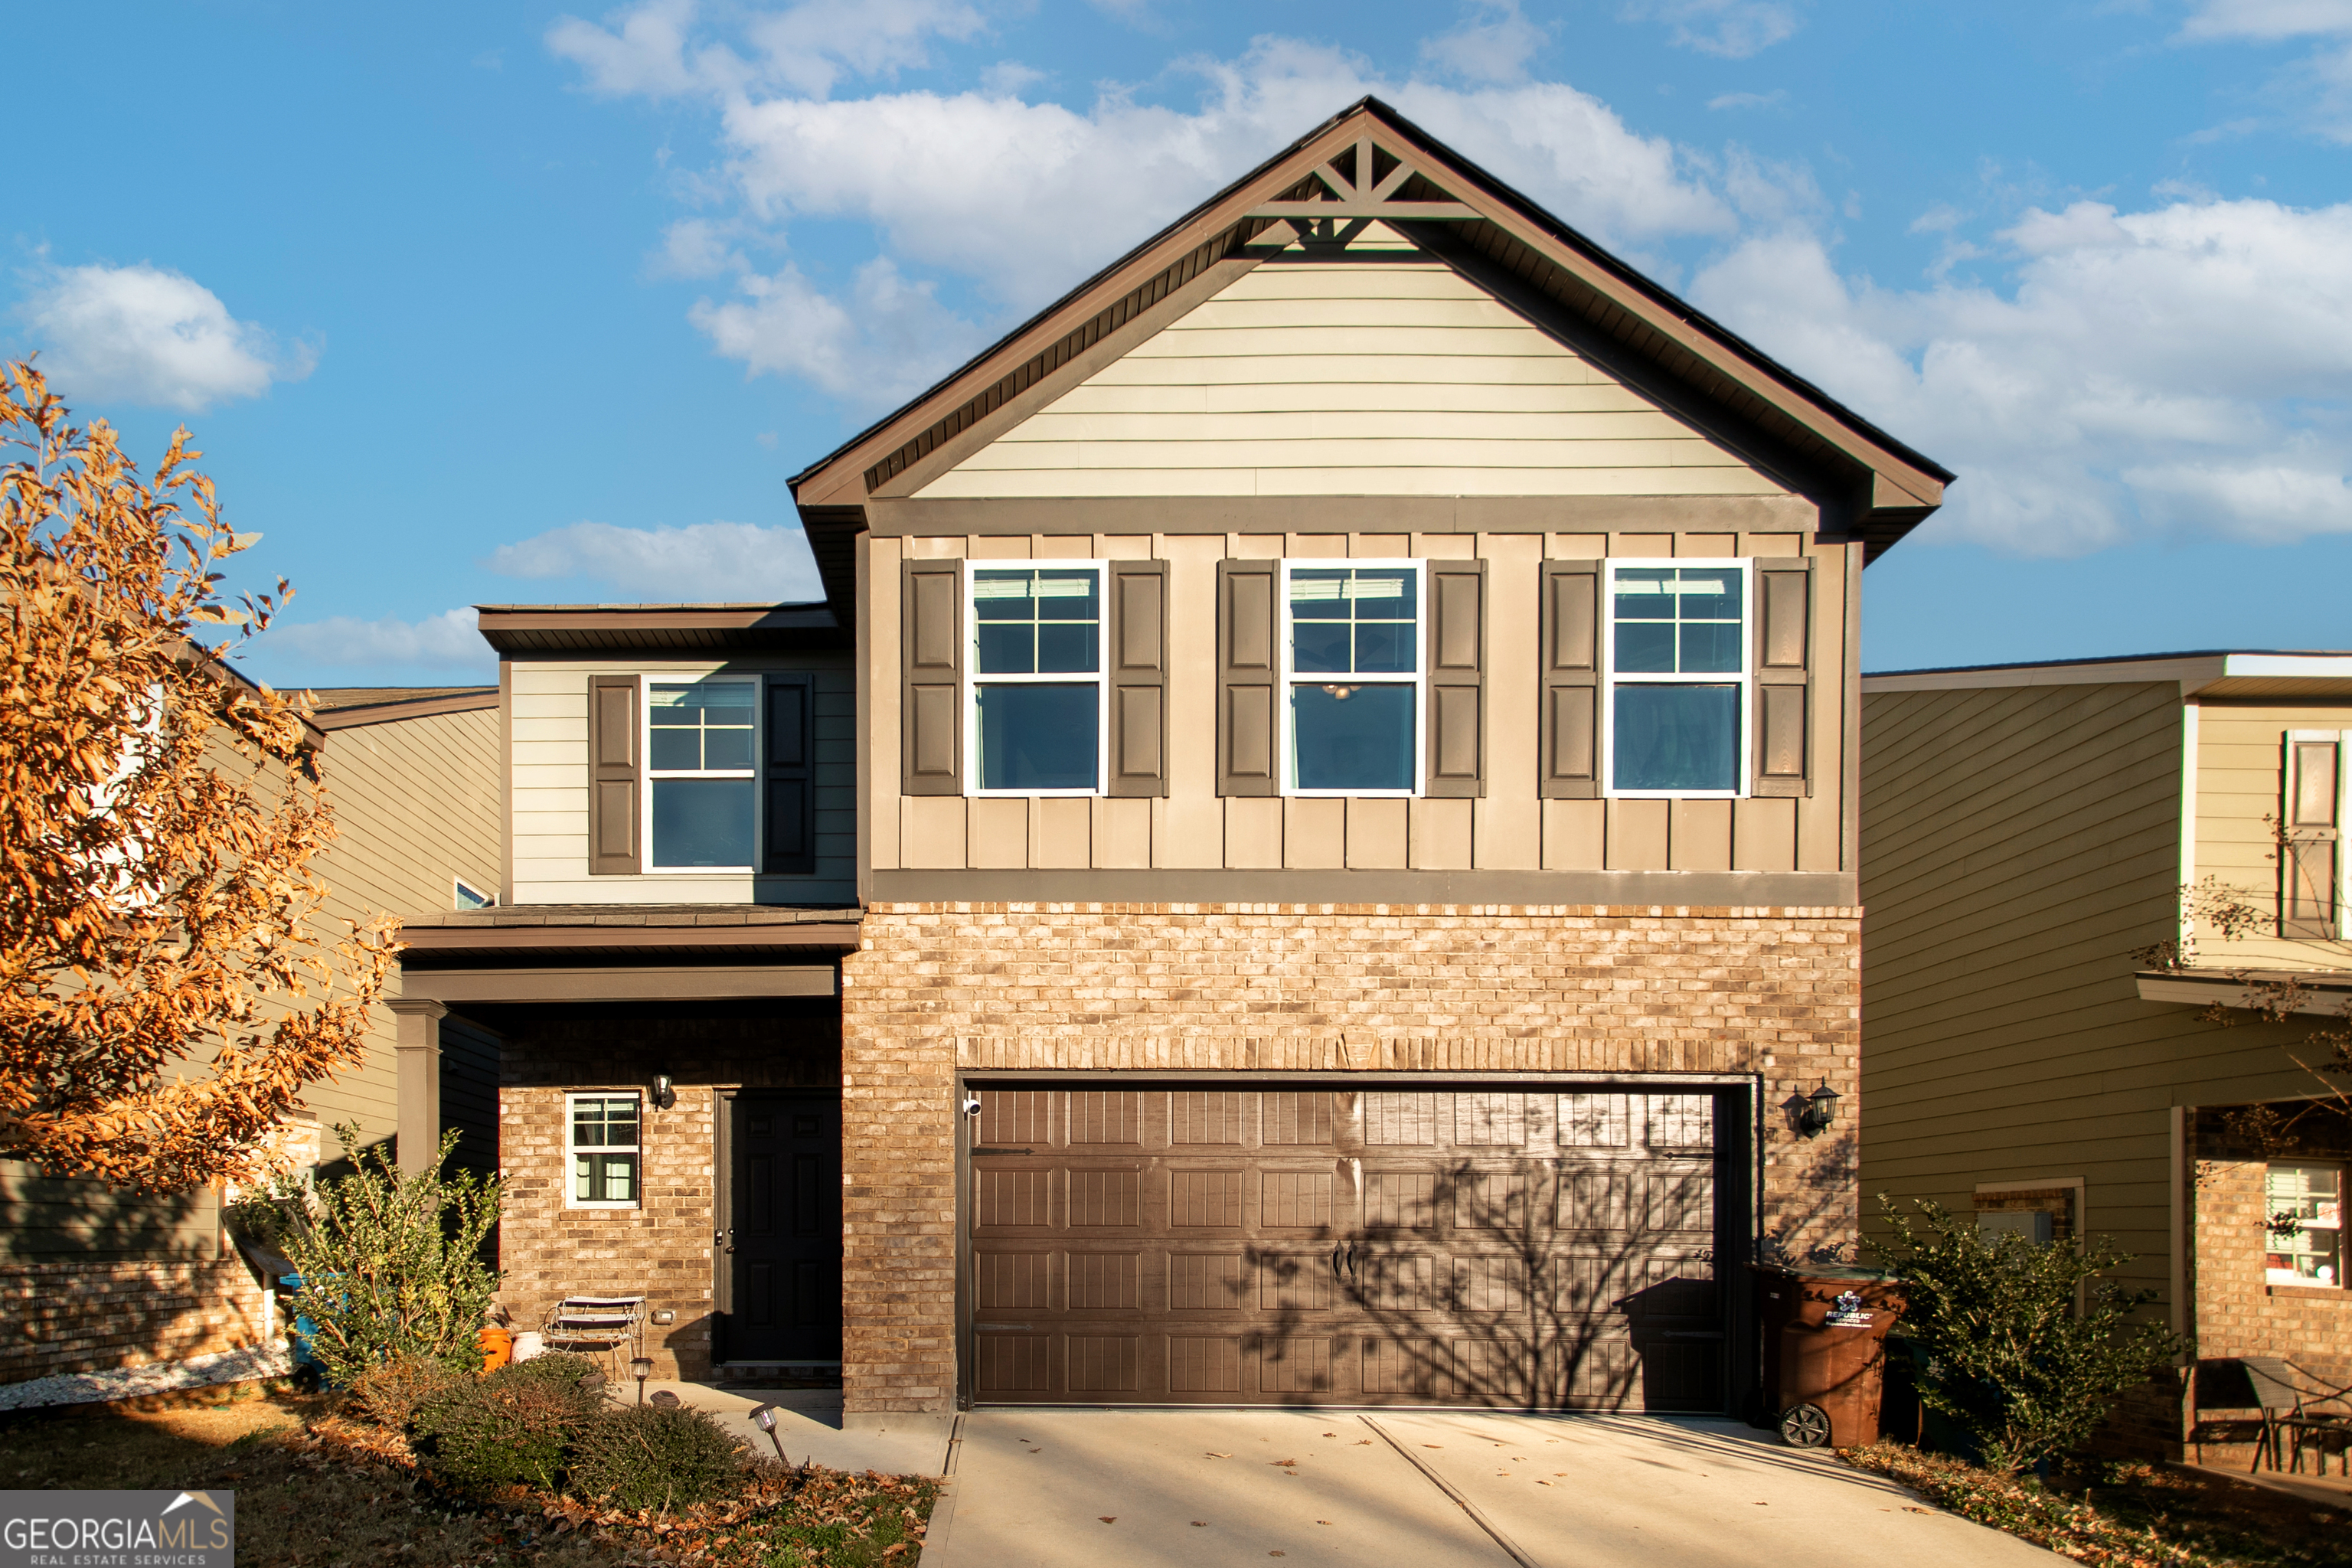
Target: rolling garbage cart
(1825, 1351)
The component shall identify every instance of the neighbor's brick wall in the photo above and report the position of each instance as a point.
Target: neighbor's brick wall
(661, 1249)
(97, 1317)
(1273, 988)
(2238, 1313)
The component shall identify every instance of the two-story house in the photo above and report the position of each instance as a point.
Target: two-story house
(1309, 854)
(2068, 866)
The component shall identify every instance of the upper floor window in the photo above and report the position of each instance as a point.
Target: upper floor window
(2304, 1218)
(1351, 666)
(1677, 679)
(700, 757)
(1037, 698)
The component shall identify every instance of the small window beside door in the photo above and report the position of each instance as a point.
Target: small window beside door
(603, 1143)
(2302, 1221)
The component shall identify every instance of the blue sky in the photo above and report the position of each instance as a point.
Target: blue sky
(494, 303)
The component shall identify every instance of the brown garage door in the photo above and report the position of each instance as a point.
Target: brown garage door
(1259, 1246)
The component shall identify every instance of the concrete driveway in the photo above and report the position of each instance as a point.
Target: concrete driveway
(1045, 1489)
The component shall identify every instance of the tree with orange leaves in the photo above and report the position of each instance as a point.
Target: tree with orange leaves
(164, 997)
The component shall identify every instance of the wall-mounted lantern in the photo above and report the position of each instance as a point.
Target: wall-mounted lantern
(1819, 1110)
(665, 1091)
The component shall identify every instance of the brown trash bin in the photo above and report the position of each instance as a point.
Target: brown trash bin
(1824, 1351)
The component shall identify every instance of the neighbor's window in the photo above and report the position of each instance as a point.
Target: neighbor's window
(2304, 1215)
(703, 789)
(604, 1150)
(1351, 639)
(1677, 679)
(1036, 686)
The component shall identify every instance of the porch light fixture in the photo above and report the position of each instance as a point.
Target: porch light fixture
(665, 1093)
(763, 1416)
(643, 1367)
(1819, 1110)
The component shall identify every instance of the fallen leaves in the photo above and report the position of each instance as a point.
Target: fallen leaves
(1107, 1517)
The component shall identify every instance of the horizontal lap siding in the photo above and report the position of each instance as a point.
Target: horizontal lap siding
(1308, 380)
(551, 794)
(2240, 751)
(2017, 844)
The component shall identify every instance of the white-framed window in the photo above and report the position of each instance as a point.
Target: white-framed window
(702, 784)
(604, 1143)
(2303, 1220)
(1678, 670)
(1354, 693)
(464, 895)
(1036, 703)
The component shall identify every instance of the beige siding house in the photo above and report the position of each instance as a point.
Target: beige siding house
(2037, 1042)
(1304, 856)
(91, 1278)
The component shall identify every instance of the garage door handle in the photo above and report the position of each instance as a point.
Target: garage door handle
(1339, 1251)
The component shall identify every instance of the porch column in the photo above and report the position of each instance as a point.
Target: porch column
(419, 1041)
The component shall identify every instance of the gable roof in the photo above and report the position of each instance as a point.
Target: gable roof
(1871, 485)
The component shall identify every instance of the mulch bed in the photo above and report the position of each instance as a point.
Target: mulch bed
(2121, 1515)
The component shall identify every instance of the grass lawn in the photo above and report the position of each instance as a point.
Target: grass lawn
(2128, 1515)
(308, 1497)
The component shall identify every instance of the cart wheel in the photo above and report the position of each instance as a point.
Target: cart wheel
(1804, 1426)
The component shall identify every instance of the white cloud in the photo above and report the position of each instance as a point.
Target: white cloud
(142, 334)
(446, 641)
(696, 247)
(705, 562)
(648, 49)
(1493, 43)
(2185, 368)
(1733, 29)
(880, 344)
(646, 56)
(1772, 100)
(2267, 20)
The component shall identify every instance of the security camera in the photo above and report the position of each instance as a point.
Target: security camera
(971, 1105)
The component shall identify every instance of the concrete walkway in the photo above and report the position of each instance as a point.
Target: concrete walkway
(1068, 1489)
(810, 1425)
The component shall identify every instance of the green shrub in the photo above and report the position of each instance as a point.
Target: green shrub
(391, 1394)
(647, 1456)
(2013, 1360)
(514, 1427)
(390, 1263)
(556, 1369)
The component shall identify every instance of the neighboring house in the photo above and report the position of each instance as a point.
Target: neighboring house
(2038, 1044)
(92, 1278)
(1309, 854)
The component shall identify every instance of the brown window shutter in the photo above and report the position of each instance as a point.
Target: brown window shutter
(1567, 765)
(615, 738)
(931, 659)
(1249, 667)
(790, 781)
(1138, 663)
(1782, 743)
(1456, 643)
(2310, 849)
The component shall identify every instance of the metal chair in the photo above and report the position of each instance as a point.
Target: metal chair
(2284, 1397)
(604, 1326)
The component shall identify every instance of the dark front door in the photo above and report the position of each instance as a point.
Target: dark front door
(780, 1240)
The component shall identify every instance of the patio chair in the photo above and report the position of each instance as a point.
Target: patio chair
(603, 1326)
(2284, 1397)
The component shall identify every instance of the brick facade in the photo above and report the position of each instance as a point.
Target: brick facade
(942, 988)
(661, 1249)
(2238, 1313)
(98, 1316)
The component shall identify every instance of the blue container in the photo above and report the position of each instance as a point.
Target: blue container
(300, 1340)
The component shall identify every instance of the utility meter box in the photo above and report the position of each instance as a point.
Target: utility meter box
(2032, 1224)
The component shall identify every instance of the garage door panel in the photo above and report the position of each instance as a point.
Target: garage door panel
(1209, 1118)
(1234, 1246)
(1296, 1365)
(1205, 1363)
(1207, 1282)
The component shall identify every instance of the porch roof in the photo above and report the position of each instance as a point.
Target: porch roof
(546, 934)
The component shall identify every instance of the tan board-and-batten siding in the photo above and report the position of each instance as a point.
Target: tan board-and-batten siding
(1350, 379)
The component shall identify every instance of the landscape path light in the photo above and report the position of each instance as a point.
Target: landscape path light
(643, 1367)
(763, 1416)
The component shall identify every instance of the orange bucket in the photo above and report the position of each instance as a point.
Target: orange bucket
(497, 1346)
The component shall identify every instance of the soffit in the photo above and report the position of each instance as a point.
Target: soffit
(663, 628)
